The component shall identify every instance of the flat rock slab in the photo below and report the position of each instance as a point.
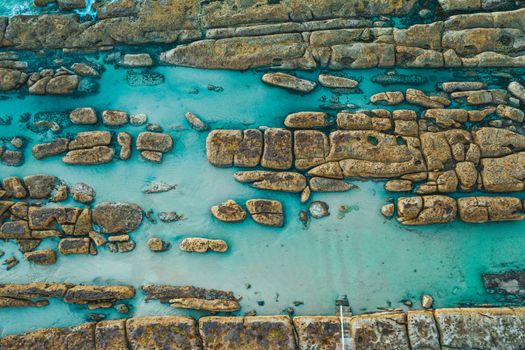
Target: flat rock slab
(117, 217)
(289, 82)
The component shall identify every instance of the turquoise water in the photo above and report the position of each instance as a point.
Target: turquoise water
(375, 261)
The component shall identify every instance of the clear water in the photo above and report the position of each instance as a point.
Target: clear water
(376, 262)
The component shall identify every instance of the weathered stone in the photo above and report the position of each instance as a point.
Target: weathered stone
(388, 210)
(305, 120)
(504, 174)
(138, 119)
(46, 218)
(362, 121)
(117, 217)
(442, 149)
(419, 98)
(517, 90)
(448, 117)
(83, 193)
(40, 186)
(137, 60)
(11, 79)
(318, 332)
(154, 141)
(471, 328)
(83, 225)
(277, 152)
(234, 147)
(483, 209)
(422, 330)
(321, 184)
(62, 85)
(15, 229)
(69, 246)
(380, 331)
(151, 156)
(28, 245)
(165, 293)
(85, 70)
(90, 156)
(195, 122)
(34, 290)
(88, 139)
(496, 142)
(390, 98)
(424, 210)
(124, 140)
(111, 335)
(12, 302)
(228, 211)
(206, 305)
(202, 245)
(114, 118)
(98, 294)
(41, 257)
(337, 82)
(83, 116)
(156, 244)
(452, 86)
(311, 148)
(13, 187)
(162, 332)
(266, 212)
(511, 113)
(44, 150)
(362, 55)
(272, 180)
(253, 332)
(398, 185)
(508, 284)
(289, 82)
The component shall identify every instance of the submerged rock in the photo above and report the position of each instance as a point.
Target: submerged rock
(228, 211)
(98, 295)
(509, 284)
(290, 82)
(266, 212)
(144, 78)
(170, 216)
(202, 245)
(195, 122)
(40, 186)
(137, 60)
(318, 209)
(453, 86)
(158, 187)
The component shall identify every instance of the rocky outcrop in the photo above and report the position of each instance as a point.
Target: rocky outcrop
(159, 332)
(425, 210)
(306, 120)
(234, 147)
(272, 180)
(189, 297)
(483, 209)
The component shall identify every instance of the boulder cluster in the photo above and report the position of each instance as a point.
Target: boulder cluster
(12, 152)
(459, 328)
(100, 146)
(432, 150)
(29, 222)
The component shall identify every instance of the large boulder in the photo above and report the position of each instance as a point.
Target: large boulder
(277, 152)
(44, 150)
(154, 141)
(202, 245)
(482, 209)
(117, 217)
(266, 212)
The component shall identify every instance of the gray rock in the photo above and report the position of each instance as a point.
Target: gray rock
(318, 209)
(158, 187)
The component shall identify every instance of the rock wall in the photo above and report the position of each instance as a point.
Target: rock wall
(461, 328)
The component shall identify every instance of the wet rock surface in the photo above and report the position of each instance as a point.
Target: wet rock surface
(266, 212)
(228, 211)
(202, 245)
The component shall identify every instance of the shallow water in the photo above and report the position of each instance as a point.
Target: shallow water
(376, 262)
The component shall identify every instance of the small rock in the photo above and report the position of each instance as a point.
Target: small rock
(335, 82)
(18, 142)
(119, 238)
(303, 217)
(154, 127)
(84, 70)
(511, 113)
(319, 209)
(83, 116)
(138, 119)
(137, 60)
(426, 301)
(40, 186)
(125, 247)
(14, 187)
(10, 262)
(517, 90)
(195, 122)
(41, 257)
(390, 98)
(158, 187)
(289, 82)
(83, 193)
(387, 210)
(202, 245)
(215, 88)
(114, 118)
(228, 211)
(151, 156)
(170, 216)
(305, 195)
(156, 244)
(124, 140)
(122, 308)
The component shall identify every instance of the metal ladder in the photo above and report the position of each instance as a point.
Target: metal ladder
(343, 310)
